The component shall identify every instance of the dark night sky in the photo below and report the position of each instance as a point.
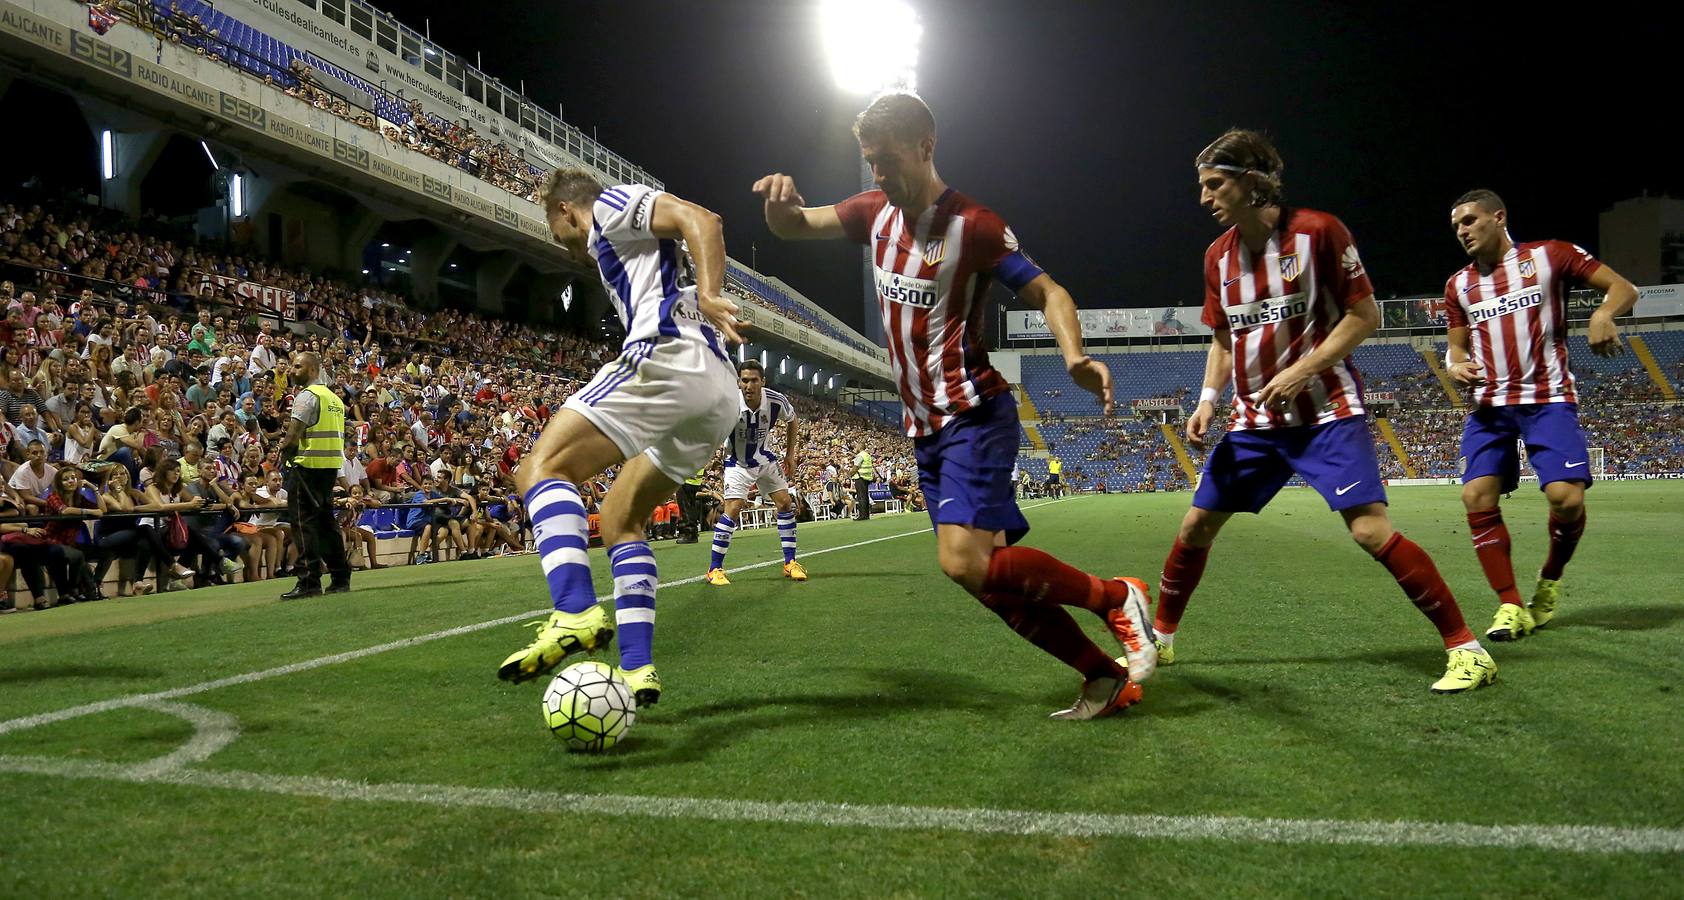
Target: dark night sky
(1078, 121)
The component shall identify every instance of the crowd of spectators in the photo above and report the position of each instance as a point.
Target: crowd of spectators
(139, 381)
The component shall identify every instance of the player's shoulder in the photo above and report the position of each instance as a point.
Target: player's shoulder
(1224, 242)
(624, 205)
(1471, 271)
(1314, 222)
(1555, 248)
(977, 213)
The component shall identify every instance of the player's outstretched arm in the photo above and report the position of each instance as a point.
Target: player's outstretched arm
(1059, 308)
(703, 232)
(1619, 296)
(1219, 365)
(788, 215)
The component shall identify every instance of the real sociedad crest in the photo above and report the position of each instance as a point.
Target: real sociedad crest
(935, 250)
(1528, 268)
(1289, 267)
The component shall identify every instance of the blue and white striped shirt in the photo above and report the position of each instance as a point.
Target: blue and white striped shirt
(750, 443)
(649, 279)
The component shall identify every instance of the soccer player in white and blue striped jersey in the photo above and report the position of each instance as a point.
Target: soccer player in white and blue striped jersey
(750, 462)
(659, 409)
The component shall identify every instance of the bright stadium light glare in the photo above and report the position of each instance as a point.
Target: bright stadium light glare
(237, 195)
(209, 155)
(872, 44)
(107, 155)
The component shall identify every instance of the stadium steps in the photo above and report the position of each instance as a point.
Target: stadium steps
(1437, 368)
(1641, 349)
(1026, 411)
(1397, 446)
(1033, 432)
(1174, 441)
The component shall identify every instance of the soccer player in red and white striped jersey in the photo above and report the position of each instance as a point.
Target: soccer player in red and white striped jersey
(1288, 300)
(935, 253)
(1507, 315)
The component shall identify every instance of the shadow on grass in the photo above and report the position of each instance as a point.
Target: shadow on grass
(1425, 658)
(36, 674)
(697, 732)
(1623, 618)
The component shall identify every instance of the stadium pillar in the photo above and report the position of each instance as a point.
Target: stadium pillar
(493, 276)
(543, 294)
(424, 264)
(132, 155)
(358, 227)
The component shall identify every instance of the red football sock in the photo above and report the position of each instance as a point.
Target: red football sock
(1564, 539)
(1491, 544)
(1419, 578)
(1182, 571)
(1039, 577)
(1052, 629)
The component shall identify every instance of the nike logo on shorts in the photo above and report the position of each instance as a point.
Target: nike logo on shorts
(1232, 280)
(1341, 491)
(1575, 465)
(945, 501)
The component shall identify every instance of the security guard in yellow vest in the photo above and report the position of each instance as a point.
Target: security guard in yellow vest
(864, 472)
(690, 506)
(314, 450)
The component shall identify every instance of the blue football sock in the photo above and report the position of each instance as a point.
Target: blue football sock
(786, 534)
(634, 601)
(558, 528)
(722, 531)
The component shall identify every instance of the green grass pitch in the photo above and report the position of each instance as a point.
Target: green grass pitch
(874, 732)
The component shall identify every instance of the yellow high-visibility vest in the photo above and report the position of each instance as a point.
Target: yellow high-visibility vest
(323, 444)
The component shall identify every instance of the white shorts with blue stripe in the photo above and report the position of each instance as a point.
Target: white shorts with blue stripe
(675, 400)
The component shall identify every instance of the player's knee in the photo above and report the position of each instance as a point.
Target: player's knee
(963, 568)
(1566, 499)
(1371, 533)
(1198, 530)
(1476, 498)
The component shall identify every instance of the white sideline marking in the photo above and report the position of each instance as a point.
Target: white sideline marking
(1591, 839)
(213, 730)
(27, 722)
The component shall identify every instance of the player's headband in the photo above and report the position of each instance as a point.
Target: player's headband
(1223, 167)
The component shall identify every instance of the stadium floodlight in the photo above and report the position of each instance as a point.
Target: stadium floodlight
(107, 155)
(765, 359)
(237, 195)
(872, 44)
(209, 155)
(742, 352)
(831, 384)
(801, 371)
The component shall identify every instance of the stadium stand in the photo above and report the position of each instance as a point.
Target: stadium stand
(1620, 408)
(115, 355)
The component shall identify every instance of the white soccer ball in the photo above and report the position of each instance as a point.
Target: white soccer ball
(589, 707)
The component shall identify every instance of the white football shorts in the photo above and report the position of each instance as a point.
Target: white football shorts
(769, 477)
(673, 399)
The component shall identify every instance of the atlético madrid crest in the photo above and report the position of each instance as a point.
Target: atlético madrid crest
(1528, 268)
(935, 250)
(1289, 267)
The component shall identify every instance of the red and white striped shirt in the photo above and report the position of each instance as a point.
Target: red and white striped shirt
(1279, 305)
(932, 276)
(1516, 314)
